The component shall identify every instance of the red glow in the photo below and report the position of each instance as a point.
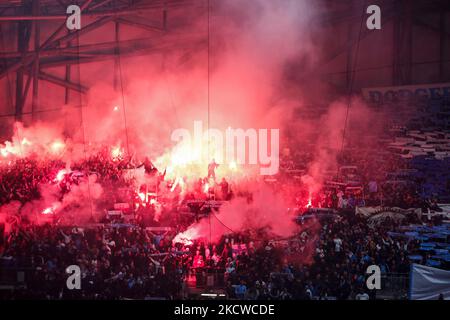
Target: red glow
(184, 238)
(309, 204)
(60, 175)
(116, 152)
(49, 210)
(57, 146)
(25, 141)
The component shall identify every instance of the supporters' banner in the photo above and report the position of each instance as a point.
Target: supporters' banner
(121, 206)
(371, 211)
(444, 206)
(137, 174)
(379, 218)
(123, 225)
(382, 95)
(214, 203)
(205, 203)
(312, 210)
(113, 213)
(427, 283)
(157, 229)
(335, 184)
(445, 211)
(354, 190)
(303, 217)
(295, 171)
(95, 225)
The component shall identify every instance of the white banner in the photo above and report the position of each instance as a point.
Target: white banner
(427, 283)
(371, 211)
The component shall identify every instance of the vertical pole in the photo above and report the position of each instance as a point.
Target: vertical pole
(36, 10)
(396, 44)
(68, 71)
(68, 75)
(116, 59)
(442, 43)
(349, 50)
(402, 64)
(165, 16)
(19, 73)
(407, 41)
(23, 36)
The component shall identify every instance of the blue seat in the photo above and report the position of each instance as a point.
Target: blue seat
(428, 244)
(412, 234)
(415, 257)
(433, 263)
(438, 236)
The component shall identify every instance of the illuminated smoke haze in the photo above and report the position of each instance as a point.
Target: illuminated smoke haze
(252, 48)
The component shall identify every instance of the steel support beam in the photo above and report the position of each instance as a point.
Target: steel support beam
(442, 45)
(58, 81)
(68, 76)
(116, 55)
(402, 43)
(37, 44)
(61, 49)
(23, 37)
(156, 5)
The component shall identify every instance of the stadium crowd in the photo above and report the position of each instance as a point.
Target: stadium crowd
(327, 259)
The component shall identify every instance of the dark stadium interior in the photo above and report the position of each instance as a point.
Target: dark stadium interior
(224, 149)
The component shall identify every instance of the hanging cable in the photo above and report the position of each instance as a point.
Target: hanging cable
(124, 113)
(208, 102)
(209, 64)
(171, 100)
(80, 95)
(208, 118)
(352, 76)
(119, 62)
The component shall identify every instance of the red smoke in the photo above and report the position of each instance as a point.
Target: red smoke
(252, 45)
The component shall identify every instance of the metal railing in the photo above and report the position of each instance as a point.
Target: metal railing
(394, 286)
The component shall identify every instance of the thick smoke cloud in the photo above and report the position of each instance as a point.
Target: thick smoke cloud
(79, 206)
(265, 211)
(252, 47)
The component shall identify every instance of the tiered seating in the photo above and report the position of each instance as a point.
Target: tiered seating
(434, 244)
(424, 142)
(435, 175)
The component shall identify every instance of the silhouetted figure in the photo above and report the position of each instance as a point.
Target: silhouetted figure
(224, 187)
(149, 167)
(212, 169)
